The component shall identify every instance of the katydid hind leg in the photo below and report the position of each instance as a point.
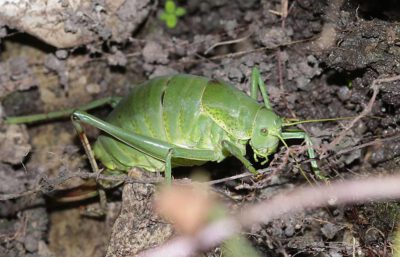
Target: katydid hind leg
(257, 83)
(168, 167)
(112, 101)
(86, 146)
(310, 149)
(152, 147)
(95, 212)
(95, 168)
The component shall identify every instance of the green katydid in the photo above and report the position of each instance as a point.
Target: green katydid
(181, 120)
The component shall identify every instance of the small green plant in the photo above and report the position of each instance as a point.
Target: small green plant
(350, 84)
(171, 13)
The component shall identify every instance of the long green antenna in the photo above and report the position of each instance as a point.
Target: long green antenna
(287, 124)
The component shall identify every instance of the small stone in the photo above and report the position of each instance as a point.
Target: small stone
(14, 144)
(289, 230)
(273, 37)
(117, 59)
(230, 27)
(344, 93)
(52, 62)
(62, 54)
(235, 73)
(161, 70)
(31, 243)
(334, 253)
(93, 88)
(154, 53)
(329, 230)
(3, 32)
(43, 250)
(70, 26)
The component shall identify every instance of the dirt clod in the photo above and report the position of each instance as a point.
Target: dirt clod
(137, 227)
(14, 146)
(329, 230)
(154, 53)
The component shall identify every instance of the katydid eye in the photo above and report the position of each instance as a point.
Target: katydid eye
(75, 117)
(264, 131)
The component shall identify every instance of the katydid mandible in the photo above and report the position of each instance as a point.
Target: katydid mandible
(181, 120)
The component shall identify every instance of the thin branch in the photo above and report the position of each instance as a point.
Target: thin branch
(374, 142)
(45, 184)
(240, 53)
(364, 113)
(228, 42)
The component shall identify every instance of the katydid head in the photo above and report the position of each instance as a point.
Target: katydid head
(266, 133)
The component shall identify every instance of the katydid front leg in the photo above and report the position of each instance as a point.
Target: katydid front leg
(232, 149)
(257, 82)
(310, 149)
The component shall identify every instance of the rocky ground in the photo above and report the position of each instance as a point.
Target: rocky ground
(319, 59)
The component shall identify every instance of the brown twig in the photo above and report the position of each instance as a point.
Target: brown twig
(374, 142)
(227, 42)
(44, 183)
(375, 86)
(240, 53)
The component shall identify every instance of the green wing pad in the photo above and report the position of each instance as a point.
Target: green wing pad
(181, 109)
(141, 111)
(230, 108)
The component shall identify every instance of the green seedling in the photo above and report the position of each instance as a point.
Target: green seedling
(171, 14)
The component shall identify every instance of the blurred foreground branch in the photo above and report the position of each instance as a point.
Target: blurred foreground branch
(351, 191)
